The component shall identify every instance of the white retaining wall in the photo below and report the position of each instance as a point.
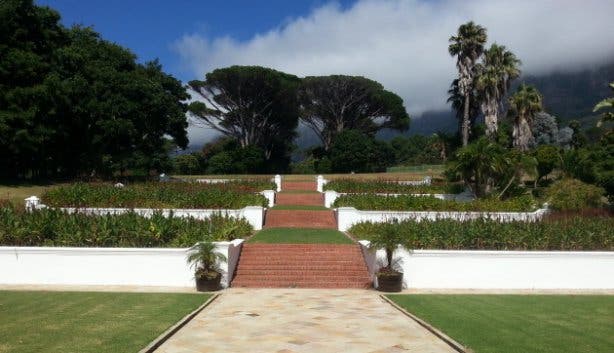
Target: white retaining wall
(348, 216)
(443, 269)
(276, 180)
(331, 196)
(253, 214)
(106, 266)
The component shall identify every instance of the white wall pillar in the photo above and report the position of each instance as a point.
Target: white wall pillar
(329, 198)
(346, 217)
(254, 215)
(270, 196)
(320, 182)
(32, 203)
(277, 180)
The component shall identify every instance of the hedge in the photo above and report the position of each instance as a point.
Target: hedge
(55, 228)
(390, 186)
(577, 233)
(428, 203)
(232, 195)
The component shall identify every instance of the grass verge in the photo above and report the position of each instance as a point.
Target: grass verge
(87, 321)
(300, 236)
(519, 323)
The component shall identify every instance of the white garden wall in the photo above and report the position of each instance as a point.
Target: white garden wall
(348, 216)
(442, 269)
(106, 266)
(253, 214)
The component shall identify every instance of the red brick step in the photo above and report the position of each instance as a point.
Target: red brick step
(315, 199)
(298, 186)
(300, 219)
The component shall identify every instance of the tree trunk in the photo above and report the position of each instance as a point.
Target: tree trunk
(465, 126)
(490, 119)
(522, 134)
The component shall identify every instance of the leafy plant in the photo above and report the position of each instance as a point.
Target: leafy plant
(205, 260)
(572, 194)
(229, 195)
(388, 238)
(576, 233)
(55, 228)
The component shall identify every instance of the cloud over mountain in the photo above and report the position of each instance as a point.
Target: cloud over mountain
(403, 43)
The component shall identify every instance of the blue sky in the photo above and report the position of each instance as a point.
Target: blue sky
(150, 27)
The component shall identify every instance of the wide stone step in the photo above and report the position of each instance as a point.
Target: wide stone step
(298, 186)
(300, 284)
(300, 219)
(315, 199)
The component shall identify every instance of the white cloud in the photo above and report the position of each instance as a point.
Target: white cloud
(403, 43)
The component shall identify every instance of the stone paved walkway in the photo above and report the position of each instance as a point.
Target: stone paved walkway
(302, 320)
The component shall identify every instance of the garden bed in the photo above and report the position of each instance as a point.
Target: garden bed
(594, 234)
(231, 195)
(430, 203)
(382, 186)
(49, 227)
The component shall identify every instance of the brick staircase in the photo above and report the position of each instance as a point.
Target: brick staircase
(298, 186)
(300, 219)
(304, 199)
(301, 266)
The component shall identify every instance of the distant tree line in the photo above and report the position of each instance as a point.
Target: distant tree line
(73, 104)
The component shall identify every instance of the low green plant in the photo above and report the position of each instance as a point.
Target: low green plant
(230, 195)
(576, 233)
(572, 194)
(428, 203)
(49, 227)
(390, 186)
(388, 238)
(205, 260)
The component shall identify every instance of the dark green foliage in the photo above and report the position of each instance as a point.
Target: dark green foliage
(254, 106)
(571, 234)
(353, 151)
(230, 195)
(56, 228)
(428, 203)
(593, 164)
(189, 164)
(226, 156)
(67, 92)
(330, 105)
(389, 186)
(572, 194)
(548, 158)
(419, 149)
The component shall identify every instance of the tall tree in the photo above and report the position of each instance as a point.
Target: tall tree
(495, 74)
(457, 101)
(524, 104)
(467, 45)
(254, 105)
(330, 105)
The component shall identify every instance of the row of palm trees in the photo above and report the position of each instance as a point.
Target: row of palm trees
(484, 79)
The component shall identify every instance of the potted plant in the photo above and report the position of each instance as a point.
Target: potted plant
(205, 261)
(389, 239)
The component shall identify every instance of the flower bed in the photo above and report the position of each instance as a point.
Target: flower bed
(576, 233)
(426, 203)
(56, 228)
(389, 186)
(230, 195)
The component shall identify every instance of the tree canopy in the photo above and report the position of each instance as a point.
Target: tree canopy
(72, 103)
(330, 105)
(254, 105)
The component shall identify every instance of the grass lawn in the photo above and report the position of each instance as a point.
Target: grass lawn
(16, 193)
(88, 321)
(519, 323)
(300, 236)
(300, 207)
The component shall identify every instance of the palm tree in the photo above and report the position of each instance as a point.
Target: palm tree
(205, 260)
(479, 165)
(524, 104)
(607, 103)
(458, 104)
(495, 74)
(467, 45)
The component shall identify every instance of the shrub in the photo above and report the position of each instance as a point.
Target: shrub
(572, 194)
(230, 195)
(390, 186)
(428, 203)
(49, 227)
(572, 234)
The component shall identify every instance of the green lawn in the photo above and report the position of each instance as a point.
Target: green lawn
(519, 323)
(300, 236)
(88, 322)
(300, 207)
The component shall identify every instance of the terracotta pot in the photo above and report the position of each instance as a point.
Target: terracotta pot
(205, 284)
(390, 281)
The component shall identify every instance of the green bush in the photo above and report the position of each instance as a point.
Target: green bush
(428, 203)
(572, 194)
(230, 195)
(390, 186)
(49, 227)
(571, 234)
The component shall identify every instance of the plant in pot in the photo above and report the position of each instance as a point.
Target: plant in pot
(205, 261)
(389, 238)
